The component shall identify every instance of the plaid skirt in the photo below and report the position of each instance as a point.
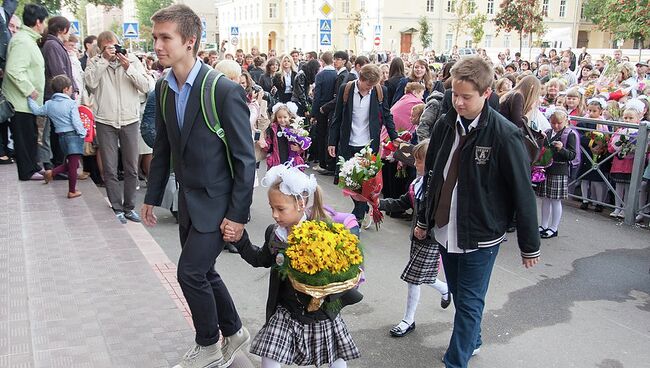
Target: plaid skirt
(554, 187)
(422, 267)
(288, 341)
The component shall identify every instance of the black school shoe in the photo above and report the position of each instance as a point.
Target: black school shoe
(398, 332)
(549, 234)
(584, 206)
(445, 303)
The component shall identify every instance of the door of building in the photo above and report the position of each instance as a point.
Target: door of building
(405, 43)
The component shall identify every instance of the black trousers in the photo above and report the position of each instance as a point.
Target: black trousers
(4, 138)
(322, 131)
(207, 296)
(25, 136)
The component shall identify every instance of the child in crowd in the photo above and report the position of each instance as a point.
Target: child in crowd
(279, 149)
(502, 86)
(292, 335)
(555, 188)
(612, 112)
(592, 184)
(622, 164)
(64, 114)
(422, 267)
(574, 103)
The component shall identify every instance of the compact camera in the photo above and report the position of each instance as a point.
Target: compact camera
(119, 49)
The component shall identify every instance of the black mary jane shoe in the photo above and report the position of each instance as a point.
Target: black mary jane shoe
(541, 230)
(445, 303)
(398, 332)
(7, 161)
(549, 234)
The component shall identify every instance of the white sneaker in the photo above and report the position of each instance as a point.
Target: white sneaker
(639, 218)
(230, 345)
(202, 357)
(367, 221)
(616, 213)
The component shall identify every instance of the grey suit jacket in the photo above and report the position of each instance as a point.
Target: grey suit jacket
(199, 157)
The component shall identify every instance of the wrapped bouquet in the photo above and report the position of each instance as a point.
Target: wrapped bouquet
(597, 144)
(296, 133)
(360, 178)
(544, 160)
(322, 259)
(625, 145)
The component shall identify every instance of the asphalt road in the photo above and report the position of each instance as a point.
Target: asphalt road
(587, 304)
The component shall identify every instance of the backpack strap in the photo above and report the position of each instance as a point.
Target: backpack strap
(209, 109)
(346, 91)
(380, 93)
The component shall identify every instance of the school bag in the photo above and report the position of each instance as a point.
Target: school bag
(208, 108)
(575, 163)
(349, 85)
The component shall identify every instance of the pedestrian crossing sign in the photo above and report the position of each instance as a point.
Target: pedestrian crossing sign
(204, 32)
(131, 30)
(326, 39)
(74, 28)
(234, 31)
(325, 25)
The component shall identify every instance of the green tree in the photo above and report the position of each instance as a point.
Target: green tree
(55, 6)
(425, 32)
(476, 26)
(355, 27)
(146, 8)
(523, 16)
(463, 10)
(625, 19)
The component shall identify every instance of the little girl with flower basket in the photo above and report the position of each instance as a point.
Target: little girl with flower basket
(303, 323)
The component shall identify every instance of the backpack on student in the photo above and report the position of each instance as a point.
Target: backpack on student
(208, 108)
(575, 163)
(349, 85)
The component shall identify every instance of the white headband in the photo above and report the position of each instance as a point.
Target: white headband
(292, 107)
(292, 181)
(599, 101)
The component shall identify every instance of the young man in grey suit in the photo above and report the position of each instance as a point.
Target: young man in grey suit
(211, 200)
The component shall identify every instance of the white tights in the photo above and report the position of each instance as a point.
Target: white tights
(413, 298)
(643, 196)
(551, 213)
(593, 190)
(621, 191)
(270, 363)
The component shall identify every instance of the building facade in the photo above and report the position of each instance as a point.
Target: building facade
(393, 25)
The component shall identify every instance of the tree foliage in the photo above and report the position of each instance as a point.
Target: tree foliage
(425, 32)
(146, 8)
(463, 10)
(55, 6)
(476, 26)
(625, 19)
(523, 16)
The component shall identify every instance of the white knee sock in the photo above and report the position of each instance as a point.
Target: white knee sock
(339, 363)
(556, 212)
(442, 288)
(546, 212)
(584, 187)
(270, 363)
(412, 301)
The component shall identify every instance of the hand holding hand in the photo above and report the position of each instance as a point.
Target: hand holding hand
(231, 231)
(34, 95)
(262, 143)
(148, 217)
(419, 233)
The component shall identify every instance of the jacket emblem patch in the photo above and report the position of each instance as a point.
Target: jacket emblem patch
(482, 155)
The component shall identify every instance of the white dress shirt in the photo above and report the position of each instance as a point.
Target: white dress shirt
(360, 132)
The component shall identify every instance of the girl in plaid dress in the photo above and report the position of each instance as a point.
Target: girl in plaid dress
(422, 267)
(292, 335)
(555, 188)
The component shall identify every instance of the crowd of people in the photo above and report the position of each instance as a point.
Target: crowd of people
(210, 119)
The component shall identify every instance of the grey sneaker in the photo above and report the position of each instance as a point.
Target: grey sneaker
(202, 357)
(120, 217)
(132, 215)
(230, 345)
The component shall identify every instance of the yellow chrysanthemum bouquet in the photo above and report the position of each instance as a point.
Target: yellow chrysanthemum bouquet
(322, 259)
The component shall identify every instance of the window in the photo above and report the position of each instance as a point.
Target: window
(295, 7)
(490, 7)
(545, 8)
(468, 43)
(488, 40)
(430, 6)
(562, 8)
(582, 12)
(449, 40)
(451, 6)
(345, 7)
(471, 6)
(506, 41)
(525, 41)
(273, 10)
(362, 4)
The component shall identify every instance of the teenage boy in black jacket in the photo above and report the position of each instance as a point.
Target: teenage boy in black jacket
(477, 176)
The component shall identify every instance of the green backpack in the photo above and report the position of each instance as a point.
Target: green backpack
(208, 86)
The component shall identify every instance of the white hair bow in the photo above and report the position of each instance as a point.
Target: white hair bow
(292, 180)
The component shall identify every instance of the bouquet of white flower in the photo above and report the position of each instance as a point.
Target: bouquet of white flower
(360, 178)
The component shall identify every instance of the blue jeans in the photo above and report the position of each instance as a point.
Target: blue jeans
(468, 277)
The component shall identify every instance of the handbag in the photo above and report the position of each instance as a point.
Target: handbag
(6, 108)
(533, 141)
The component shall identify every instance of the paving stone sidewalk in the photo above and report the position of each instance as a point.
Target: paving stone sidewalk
(76, 289)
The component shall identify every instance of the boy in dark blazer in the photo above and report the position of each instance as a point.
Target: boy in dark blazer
(350, 131)
(323, 93)
(211, 201)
